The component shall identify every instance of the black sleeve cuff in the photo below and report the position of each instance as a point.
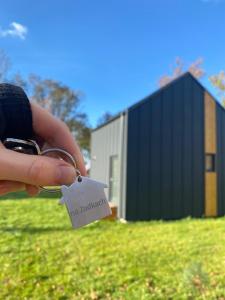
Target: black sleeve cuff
(15, 113)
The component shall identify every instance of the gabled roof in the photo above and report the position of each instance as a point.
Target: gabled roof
(181, 77)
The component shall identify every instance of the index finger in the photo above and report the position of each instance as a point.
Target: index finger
(56, 133)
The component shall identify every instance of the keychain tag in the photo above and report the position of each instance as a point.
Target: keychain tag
(85, 201)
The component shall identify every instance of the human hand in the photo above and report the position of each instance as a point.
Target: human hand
(27, 172)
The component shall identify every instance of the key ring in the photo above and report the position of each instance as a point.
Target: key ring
(31, 147)
(50, 150)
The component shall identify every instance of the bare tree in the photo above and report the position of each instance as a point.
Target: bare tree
(17, 79)
(105, 118)
(4, 65)
(195, 68)
(218, 81)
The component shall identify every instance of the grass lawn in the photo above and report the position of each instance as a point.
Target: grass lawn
(43, 258)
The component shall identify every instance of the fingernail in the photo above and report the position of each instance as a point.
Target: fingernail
(67, 175)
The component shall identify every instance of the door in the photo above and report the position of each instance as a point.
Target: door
(114, 179)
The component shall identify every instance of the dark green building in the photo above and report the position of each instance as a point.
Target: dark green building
(164, 157)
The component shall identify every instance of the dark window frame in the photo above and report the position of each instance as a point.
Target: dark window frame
(211, 157)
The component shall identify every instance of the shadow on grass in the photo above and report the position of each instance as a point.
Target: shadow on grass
(33, 230)
(99, 225)
(23, 195)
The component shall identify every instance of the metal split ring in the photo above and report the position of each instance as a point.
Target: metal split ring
(72, 160)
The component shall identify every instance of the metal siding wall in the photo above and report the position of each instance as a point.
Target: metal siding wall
(104, 143)
(155, 161)
(123, 179)
(222, 171)
(187, 166)
(198, 151)
(222, 163)
(220, 159)
(177, 150)
(220, 205)
(144, 148)
(165, 160)
(133, 162)
(166, 153)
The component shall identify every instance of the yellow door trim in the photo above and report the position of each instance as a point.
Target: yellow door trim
(210, 148)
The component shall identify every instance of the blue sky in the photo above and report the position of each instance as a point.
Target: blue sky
(114, 51)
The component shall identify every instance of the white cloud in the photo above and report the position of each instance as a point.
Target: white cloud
(15, 30)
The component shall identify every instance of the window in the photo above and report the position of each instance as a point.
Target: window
(114, 178)
(210, 163)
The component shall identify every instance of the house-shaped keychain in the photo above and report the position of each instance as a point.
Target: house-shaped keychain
(85, 201)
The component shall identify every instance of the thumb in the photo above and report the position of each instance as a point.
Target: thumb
(34, 169)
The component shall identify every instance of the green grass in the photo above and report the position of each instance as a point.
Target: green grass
(43, 258)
